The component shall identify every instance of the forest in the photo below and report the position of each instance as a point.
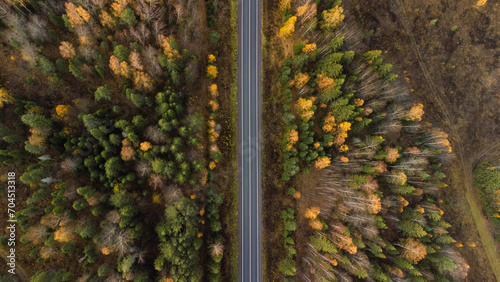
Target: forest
(359, 194)
(117, 122)
(119, 151)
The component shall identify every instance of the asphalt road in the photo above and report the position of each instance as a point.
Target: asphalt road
(249, 125)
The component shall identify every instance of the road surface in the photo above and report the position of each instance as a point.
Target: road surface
(249, 124)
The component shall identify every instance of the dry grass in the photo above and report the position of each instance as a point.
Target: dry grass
(274, 189)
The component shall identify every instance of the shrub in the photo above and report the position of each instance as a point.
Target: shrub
(214, 37)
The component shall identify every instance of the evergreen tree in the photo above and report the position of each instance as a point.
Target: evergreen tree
(103, 92)
(46, 66)
(128, 18)
(121, 52)
(121, 199)
(179, 241)
(113, 168)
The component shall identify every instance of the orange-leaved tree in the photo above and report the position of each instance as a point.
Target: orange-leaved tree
(135, 61)
(292, 138)
(64, 234)
(307, 12)
(213, 91)
(300, 80)
(329, 124)
(324, 83)
(415, 113)
(67, 50)
(145, 146)
(126, 70)
(312, 212)
(114, 65)
(392, 154)
(128, 152)
(304, 107)
(167, 47)
(322, 162)
(413, 250)
(143, 81)
(107, 20)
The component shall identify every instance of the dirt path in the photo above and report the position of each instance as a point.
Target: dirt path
(21, 274)
(466, 166)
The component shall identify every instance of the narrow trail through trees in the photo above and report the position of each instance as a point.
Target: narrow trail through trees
(466, 166)
(21, 274)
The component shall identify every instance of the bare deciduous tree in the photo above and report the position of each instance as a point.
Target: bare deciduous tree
(36, 233)
(143, 168)
(155, 135)
(36, 28)
(142, 33)
(172, 194)
(149, 11)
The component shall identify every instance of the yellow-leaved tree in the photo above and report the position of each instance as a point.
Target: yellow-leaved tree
(126, 70)
(285, 5)
(62, 112)
(304, 107)
(212, 72)
(309, 48)
(332, 18)
(83, 14)
(107, 20)
(5, 97)
(289, 27)
(481, 2)
(118, 7)
(167, 47)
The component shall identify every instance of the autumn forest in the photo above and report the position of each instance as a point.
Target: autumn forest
(119, 144)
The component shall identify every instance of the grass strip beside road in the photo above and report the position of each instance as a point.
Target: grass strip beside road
(273, 188)
(233, 218)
